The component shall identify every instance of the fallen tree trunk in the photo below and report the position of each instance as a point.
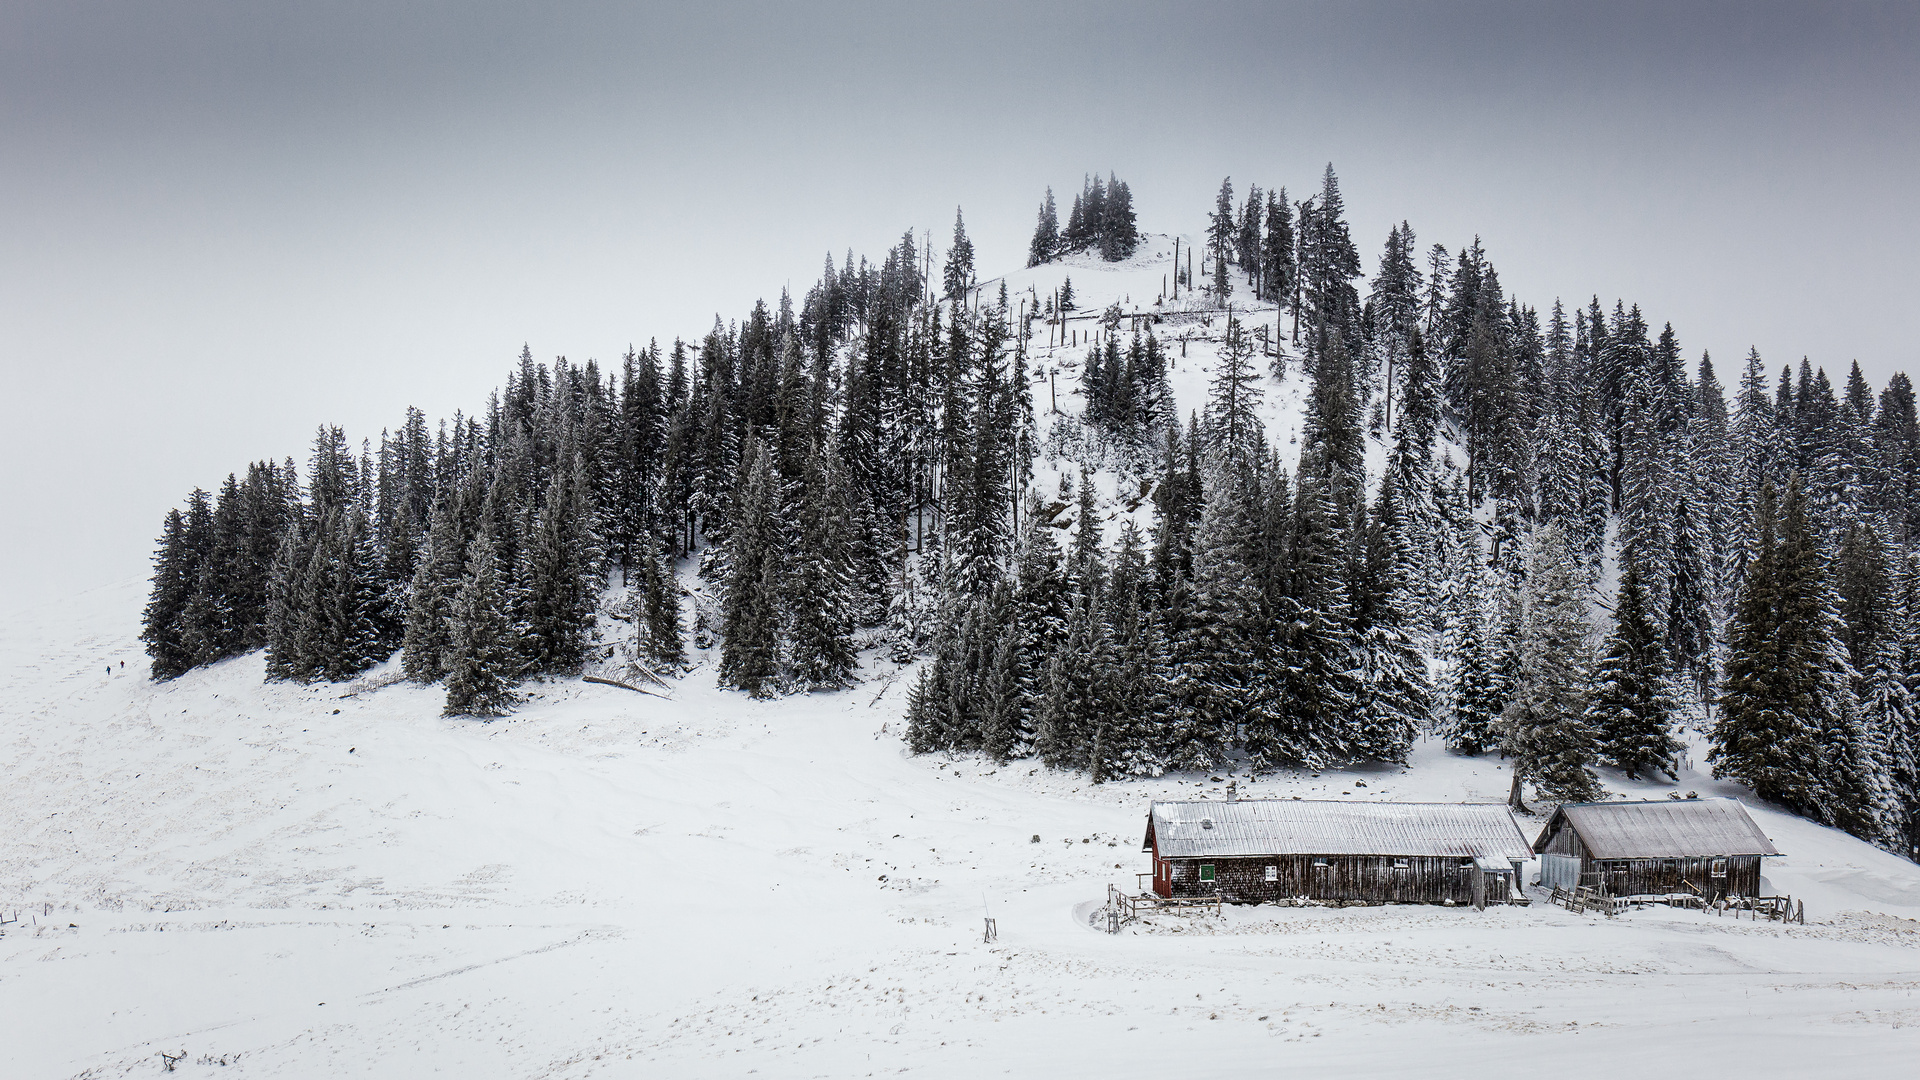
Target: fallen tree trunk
(623, 686)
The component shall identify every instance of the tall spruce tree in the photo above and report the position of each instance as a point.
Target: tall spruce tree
(175, 574)
(203, 625)
(1218, 645)
(1046, 234)
(1220, 240)
(1394, 310)
(1119, 235)
(1544, 727)
(934, 698)
(1478, 689)
(1395, 697)
(658, 613)
(1277, 270)
(959, 267)
(1315, 706)
(437, 578)
(357, 600)
(819, 589)
(1130, 738)
(481, 665)
(1630, 707)
(1893, 707)
(749, 655)
(1329, 263)
(285, 642)
(1772, 711)
(559, 577)
(1077, 702)
(1038, 627)
(1233, 398)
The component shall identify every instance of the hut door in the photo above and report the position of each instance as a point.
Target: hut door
(1560, 871)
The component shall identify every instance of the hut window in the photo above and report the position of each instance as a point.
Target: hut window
(1319, 864)
(1206, 871)
(1273, 873)
(1401, 864)
(1719, 868)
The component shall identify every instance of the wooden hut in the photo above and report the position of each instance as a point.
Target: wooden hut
(1704, 847)
(1254, 850)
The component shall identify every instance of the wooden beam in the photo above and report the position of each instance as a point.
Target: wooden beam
(623, 686)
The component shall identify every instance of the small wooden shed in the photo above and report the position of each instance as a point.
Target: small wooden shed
(1704, 847)
(1254, 850)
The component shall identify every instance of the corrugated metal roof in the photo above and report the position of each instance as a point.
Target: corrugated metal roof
(1663, 829)
(1311, 827)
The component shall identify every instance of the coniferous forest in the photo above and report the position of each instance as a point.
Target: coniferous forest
(1574, 543)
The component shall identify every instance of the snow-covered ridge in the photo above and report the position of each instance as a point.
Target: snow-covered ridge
(299, 882)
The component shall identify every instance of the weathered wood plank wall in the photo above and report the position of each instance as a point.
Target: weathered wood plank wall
(1374, 878)
(1633, 877)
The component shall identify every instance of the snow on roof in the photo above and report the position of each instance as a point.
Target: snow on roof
(1662, 829)
(1318, 827)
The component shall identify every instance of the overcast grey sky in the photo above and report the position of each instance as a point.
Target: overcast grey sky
(227, 223)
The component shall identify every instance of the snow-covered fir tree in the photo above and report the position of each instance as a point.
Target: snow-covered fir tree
(1544, 727)
(480, 653)
(818, 597)
(1630, 707)
(749, 657)
(1396, 700)
(1478, 687)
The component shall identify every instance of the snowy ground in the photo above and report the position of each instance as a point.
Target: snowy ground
(608, 884)
(281, 881)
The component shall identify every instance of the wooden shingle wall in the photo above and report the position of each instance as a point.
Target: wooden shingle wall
(1634, 877)
(1370, 878)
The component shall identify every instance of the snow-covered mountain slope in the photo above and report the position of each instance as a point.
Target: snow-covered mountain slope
(335, 881)
(1191, 329)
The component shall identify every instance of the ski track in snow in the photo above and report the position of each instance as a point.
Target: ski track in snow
(282, 881)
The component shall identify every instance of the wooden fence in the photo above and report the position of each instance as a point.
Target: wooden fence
(1123, 907)
(1586, 898)
(1781, 909)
